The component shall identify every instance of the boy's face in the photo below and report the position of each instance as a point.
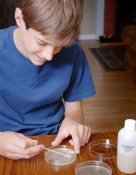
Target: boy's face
(34, 46)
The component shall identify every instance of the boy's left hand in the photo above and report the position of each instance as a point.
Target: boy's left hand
(80, 134)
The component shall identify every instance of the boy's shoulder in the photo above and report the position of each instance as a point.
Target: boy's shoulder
(75, 47)
(3, 39)
(5, 34)
(3, 31)
(70, 55)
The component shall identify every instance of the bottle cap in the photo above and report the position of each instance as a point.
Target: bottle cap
(130, 124)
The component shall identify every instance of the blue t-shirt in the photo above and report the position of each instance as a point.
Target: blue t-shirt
(31, 97)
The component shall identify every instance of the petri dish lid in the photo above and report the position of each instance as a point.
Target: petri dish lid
(93, 168)
(103, 148)
(67, 155)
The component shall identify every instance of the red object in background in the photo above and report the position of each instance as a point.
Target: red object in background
(110, 13)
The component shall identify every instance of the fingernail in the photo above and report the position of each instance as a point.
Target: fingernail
(43, 147)
(77, 151)
(35, 142)
(53, 143)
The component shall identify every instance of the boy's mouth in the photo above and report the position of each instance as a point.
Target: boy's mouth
(40, 59)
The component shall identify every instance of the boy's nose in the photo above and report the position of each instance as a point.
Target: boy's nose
(48, 53)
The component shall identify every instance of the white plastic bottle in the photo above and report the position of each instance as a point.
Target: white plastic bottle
(126, 150)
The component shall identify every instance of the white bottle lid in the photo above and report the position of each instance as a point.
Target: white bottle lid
(130, 124)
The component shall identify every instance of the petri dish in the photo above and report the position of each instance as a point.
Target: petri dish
(60, 155)
(103, 148)
(93, 168)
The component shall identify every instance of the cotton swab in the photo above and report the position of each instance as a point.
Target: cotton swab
(57, 152)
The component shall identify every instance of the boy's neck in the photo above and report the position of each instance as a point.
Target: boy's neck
(18, 41)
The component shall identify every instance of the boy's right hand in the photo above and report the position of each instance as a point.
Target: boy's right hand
(17, 146)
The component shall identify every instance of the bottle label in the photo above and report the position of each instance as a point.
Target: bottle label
(128, 148)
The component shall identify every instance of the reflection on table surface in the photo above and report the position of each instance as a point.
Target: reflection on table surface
(38, 166)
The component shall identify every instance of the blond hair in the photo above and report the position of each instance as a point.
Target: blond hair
(58, 18)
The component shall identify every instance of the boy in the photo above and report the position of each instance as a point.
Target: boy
(44, 75)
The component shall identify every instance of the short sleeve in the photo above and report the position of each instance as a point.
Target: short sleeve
(81, 83)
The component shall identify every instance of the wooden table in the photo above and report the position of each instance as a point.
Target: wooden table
(38, 166)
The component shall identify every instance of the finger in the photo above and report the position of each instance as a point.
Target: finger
(33, 142)
(86, 135)
(59, 139)
(25, 142)
(75, 139)
(17, 156)
(29, 142)
(31, 151)
(27, 138)
(27, 153)
(89, 135)
(71, 142)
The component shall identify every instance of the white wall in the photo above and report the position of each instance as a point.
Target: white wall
(93, 17)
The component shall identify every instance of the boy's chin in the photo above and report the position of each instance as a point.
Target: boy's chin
(37, 63)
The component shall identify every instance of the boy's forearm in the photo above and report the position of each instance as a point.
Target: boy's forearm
(76, 116)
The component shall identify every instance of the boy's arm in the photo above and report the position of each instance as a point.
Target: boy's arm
(74, 111)
(73, 125)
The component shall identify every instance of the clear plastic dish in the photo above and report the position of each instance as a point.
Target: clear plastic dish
(60, 155)
(103, 148)
(93, 168)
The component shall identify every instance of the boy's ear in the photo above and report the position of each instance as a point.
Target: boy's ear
(18, 16)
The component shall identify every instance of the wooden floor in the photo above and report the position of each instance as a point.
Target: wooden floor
(115, 98)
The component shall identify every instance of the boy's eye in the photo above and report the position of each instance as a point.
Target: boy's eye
(42, 44)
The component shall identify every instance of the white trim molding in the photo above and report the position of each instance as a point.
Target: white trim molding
(86, 37)
(99, 17)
